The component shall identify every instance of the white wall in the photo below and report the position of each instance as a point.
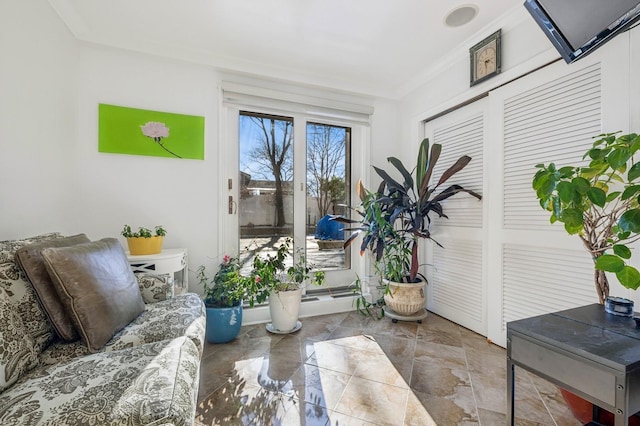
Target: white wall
(37, 119)
(114, 189)
(54, 177)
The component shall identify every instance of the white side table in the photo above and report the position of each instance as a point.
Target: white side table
(172, 262)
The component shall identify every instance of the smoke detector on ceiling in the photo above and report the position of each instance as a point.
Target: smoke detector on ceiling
(461, 15)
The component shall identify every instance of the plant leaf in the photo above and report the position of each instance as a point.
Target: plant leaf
(634, 172)
(630, 191)
(630, 221)
(436, 148)
(597, 196)
(581, 185)
(629, 277)
(565, 191)
(408, 180)
(622, 251)
(619, 158)
(609, 263)
(391, 183)
(571, 217)
(457, 166)
(423, 158)
(612, 196)
(362, 191)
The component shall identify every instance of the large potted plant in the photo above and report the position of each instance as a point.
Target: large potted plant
(223, 296)
(271, 278)
(394, 218)
(599, 203)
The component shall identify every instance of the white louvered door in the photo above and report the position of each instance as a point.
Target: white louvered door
(457, 288)
(550, 116)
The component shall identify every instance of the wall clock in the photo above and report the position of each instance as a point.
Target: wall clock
(485, 58)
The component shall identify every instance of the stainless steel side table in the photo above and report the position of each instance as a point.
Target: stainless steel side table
(584, 350)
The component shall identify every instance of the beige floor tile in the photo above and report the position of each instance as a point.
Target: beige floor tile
(439, 381)
(344, 359)
(318, 386)
(416, 414)
(378, 367)
(373, 402)
(442, 355)
(457, 409)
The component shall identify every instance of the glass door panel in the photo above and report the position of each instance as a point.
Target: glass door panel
(328, 193)
(265, 208)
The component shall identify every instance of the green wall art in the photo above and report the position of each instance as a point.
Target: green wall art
(134, 131)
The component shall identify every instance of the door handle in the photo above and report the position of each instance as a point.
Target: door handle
(232, 205)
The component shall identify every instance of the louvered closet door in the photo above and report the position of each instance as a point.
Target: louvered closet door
(457, 288)
(535, 267)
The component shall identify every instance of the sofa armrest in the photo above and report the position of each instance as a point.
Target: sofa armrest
(155, 288)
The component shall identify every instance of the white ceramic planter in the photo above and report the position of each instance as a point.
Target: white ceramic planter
(284, 307)
(405, 298)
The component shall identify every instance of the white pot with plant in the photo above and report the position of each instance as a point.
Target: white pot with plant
(271, 278)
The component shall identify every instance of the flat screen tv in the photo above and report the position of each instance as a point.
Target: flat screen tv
(578, 27)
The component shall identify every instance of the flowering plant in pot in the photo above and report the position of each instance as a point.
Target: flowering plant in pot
(223, 294)
(144, 241)
(396, 216)
(599, 203)
(271, 278)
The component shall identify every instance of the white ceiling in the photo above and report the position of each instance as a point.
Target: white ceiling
(372, 47)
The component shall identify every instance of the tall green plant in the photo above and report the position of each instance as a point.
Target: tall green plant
(600, 204)
(397, 215)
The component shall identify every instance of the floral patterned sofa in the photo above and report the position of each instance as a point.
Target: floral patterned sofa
(145, 373)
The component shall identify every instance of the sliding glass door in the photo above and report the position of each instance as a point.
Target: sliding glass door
(293, 175)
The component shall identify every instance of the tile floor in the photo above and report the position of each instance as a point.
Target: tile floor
(344, 369)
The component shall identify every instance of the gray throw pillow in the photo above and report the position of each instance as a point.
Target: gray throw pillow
(29, 258)
(97, 287)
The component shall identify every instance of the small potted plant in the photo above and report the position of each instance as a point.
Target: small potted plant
(395, 217)
(270, 277)
(223, 300)
(144, 241)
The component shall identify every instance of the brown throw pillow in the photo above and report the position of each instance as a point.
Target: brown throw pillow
(96, 285)
(29, 258)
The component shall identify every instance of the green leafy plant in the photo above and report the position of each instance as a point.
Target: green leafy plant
(270, 273)
(363, 306)
(143, 232)
(395, 217)
(227, 287)
(599, 203)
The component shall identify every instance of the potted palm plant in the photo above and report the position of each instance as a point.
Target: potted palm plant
(396, 216)
(223, 300)
(271, 278)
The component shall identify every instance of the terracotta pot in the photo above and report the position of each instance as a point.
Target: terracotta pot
(583, 410)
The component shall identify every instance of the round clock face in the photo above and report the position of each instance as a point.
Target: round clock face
(486, 60)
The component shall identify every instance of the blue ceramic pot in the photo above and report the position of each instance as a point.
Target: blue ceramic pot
(223, 324)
